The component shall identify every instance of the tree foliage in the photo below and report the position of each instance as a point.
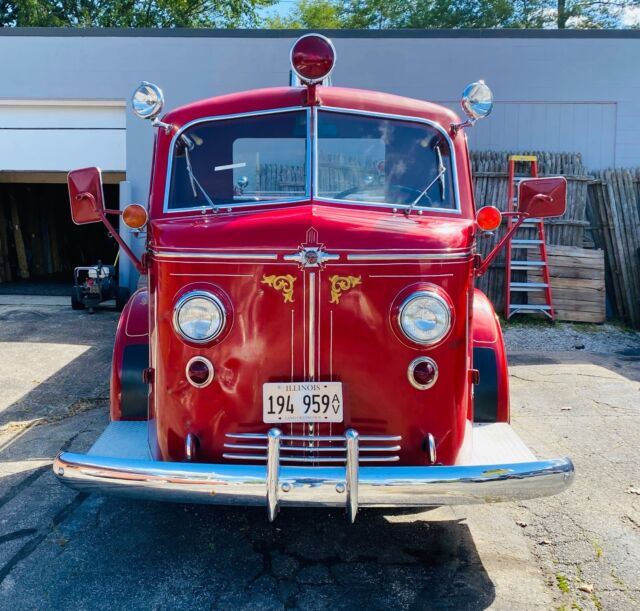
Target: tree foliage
(308, 14)
(131, 13)
(383, 14)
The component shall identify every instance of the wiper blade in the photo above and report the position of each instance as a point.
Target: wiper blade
(195, 185)
(441, 170)
(440, 176)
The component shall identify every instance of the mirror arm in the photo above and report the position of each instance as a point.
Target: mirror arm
(116, 236)
(484, 265)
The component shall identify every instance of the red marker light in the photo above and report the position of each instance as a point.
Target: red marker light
(199, 371)
(489, 218)
(313, 57)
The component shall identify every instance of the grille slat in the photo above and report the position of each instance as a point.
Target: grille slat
(319, 449)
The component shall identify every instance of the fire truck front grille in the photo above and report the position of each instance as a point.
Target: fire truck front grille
(314, 450)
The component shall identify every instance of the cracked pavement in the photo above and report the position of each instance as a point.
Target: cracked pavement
(63, 550)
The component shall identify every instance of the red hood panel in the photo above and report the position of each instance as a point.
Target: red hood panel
(338, 228)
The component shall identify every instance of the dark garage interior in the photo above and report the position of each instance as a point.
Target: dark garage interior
(39, 243)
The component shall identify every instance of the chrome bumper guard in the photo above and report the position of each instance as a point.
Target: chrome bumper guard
(350, 486)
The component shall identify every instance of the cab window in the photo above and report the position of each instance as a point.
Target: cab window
(383, 161)
(259, 158)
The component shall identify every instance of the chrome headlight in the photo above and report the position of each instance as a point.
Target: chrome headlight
(425, 317)
(199, 316)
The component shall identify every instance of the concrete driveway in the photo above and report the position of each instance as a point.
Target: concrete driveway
(64, 550)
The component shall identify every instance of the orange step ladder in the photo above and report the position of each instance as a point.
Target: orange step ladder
(526, 245)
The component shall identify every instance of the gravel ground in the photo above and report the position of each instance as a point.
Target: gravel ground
(561, 337)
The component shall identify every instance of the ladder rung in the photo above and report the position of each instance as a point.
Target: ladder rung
(522, 243)
(523, 287)
(525, 307)
(520, 265)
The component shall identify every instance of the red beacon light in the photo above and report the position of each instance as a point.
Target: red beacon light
(313, 57)
(488, 218)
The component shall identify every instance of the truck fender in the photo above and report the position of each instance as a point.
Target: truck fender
(491, 394)
(129, 392)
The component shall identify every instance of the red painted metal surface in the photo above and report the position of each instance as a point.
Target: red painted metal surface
(133, 328)
(271, 337)
(488, 334)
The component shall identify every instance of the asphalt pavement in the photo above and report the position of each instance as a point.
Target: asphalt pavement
(63, 550)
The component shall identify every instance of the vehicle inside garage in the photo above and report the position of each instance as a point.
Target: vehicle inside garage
(39, 244)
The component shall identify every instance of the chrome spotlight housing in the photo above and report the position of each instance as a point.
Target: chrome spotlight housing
(147, 100)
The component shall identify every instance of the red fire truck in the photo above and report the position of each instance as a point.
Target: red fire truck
(309, 333)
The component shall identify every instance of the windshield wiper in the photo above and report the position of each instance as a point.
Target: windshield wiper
(441, 171)
(440, 176)
(195, 185)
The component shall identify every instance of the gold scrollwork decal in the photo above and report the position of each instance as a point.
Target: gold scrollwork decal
(283, 284)
(339, 284)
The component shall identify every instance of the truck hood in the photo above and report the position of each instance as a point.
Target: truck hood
(338, 228)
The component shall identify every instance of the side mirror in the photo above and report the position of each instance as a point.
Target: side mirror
(543, 197)
(87, 206)
(86, 196)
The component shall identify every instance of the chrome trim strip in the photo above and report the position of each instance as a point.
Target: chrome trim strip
(410, 119)
(312, 325)
(172, 254)
(408, 256)
(384, 486)
(167, 183)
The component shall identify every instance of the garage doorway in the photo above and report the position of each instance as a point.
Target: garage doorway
(39, 243)
(42, 141)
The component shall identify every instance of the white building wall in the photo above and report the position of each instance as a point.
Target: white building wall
(561, 91)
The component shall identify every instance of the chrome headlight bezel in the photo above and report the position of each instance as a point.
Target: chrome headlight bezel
(446, 311)
(215, 301)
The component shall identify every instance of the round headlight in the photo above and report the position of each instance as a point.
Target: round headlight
(425, 317)
(199, 316)
(147, 100)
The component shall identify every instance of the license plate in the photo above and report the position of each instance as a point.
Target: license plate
(302, 402)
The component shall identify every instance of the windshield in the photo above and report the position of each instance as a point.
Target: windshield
(264, 158)
(257, 158)
(384, 161)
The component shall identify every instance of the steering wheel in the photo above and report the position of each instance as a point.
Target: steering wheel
(410, 192)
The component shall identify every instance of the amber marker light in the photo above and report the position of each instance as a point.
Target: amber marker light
(489, 218)
(135, 216)
(313, 57)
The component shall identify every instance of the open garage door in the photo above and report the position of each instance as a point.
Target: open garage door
(41, 142)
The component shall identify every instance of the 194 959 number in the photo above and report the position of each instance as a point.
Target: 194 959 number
(302, 402)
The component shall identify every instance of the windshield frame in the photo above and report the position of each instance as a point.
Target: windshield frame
(382, 115)
(311, 161)
(166, 209)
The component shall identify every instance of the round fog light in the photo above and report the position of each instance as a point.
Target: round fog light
(422, 372)
(199, 371)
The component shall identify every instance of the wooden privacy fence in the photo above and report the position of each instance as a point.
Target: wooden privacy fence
(614, 209)
(491, 183)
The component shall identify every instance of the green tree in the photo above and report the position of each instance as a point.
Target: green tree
(132, 13)
(321, 14)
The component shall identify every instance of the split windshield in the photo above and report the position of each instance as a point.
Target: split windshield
(265, 158)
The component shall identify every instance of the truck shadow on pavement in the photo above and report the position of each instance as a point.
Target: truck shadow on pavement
(227, 558)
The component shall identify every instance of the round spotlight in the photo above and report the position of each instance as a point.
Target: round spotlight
(422, 372)
(313, 57)
(477, 100)
(488, 218)
(147, 100)
(199, 371)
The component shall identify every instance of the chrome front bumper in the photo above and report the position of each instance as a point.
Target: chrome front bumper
(351, 486)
